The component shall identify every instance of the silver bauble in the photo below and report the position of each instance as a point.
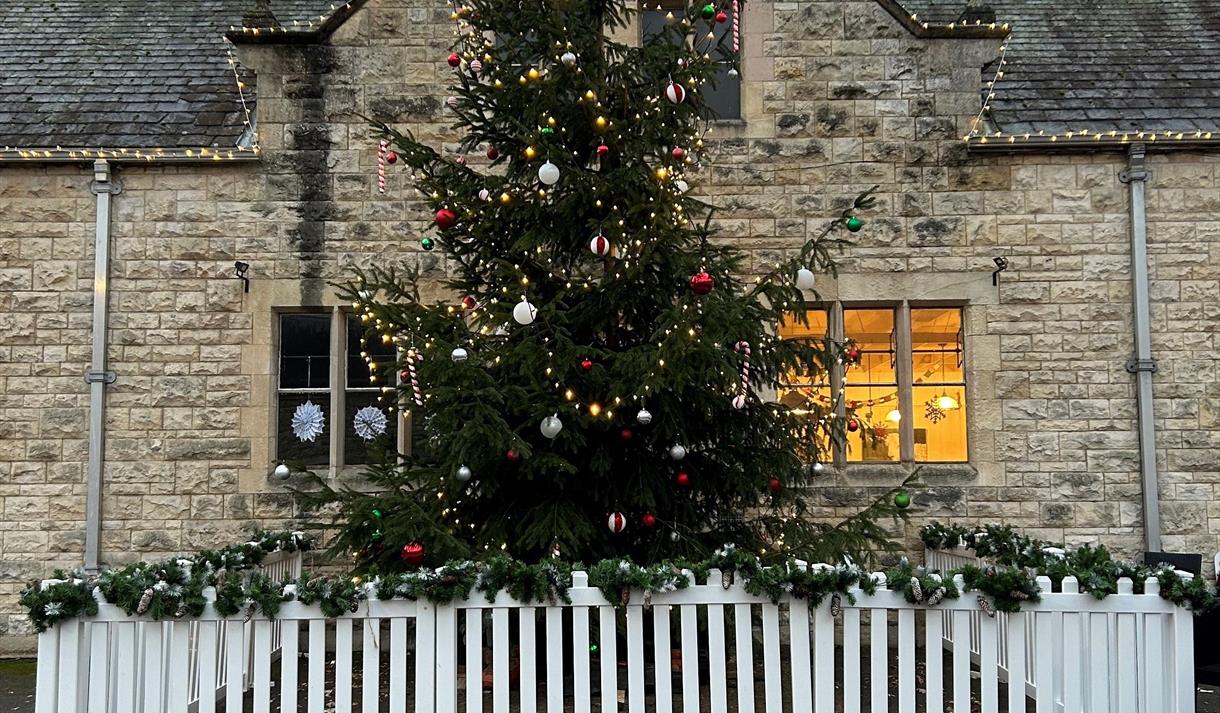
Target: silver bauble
(643, 417)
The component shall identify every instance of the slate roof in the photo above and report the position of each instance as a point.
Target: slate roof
(124, 73)
(1102, 65)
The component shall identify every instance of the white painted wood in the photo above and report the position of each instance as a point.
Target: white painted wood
(317, 664)
(179, 659)
(798, 640)
(988, 660)
(851, 660)
(662, 659)
(689, 643)
(125, 666)
(1184, 656)
(474, 661)
(71, 661)
(398, 665)
(635, 659)
(772, 679)
(1044, 659)
(608, 656)
(154, 687)
(499, 660)
(961, 662)
(1098, 683)
(99, 667)
(906, 661)
(824, 658)
(1073, 652)
(1016, 662)
(290, 660)
(581, 689)
(446, 636)
(1154, 674)
(1126, 648)
(934, 683)
(879, 654)
(743, 624)
(528, 689)
(262, 666)
(426, 651)
(554, 659)
(343, 665)
(718, 690)
(46, 680)
(370, 664)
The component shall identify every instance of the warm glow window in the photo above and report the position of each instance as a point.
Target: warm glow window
(907, 389)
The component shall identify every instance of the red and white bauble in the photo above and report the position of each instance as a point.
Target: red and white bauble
(617, 523)
(600, 245)
(476, 66)
(675, 93)
(451, 102)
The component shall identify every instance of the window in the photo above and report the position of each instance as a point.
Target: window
(907, 389)
(722, 97)
(320, 376)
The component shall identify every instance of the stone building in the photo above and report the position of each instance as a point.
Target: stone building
(150, 422)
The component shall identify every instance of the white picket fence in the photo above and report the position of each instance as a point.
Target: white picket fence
(735, 651)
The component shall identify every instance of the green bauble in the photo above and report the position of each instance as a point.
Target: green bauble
(708, 11)
(854, 224)
(902, 500)
(427, 243)
(376, 535)
(547, 131)
(376, 512)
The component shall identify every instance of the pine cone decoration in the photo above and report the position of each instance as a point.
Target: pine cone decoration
(836, 605)
(1018, 595)
(726, 578)
(624, 595)
(986, 606)
(936, 597)
(647, 599)
(145, 601)
(916, 589)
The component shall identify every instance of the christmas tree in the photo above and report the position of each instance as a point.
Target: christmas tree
(597, 385)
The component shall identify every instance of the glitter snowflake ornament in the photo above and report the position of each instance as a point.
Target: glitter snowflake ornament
(308, 422)
(933, 412)
(369, 422)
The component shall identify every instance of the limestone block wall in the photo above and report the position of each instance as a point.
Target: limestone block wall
(837, 97)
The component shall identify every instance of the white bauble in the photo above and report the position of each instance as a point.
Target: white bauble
(551, 426)
(458, 355)
(818, 468)
(524, 312)
(568, 58)
(733, 72)
(484, 194)
(739, 401)
(677, 451)
(681, 185)
(643, 417)
(451, 102)
(804, 279)
(282, 471)
(548, 173)
(463, 474)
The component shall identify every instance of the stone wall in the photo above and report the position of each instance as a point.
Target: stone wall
(837, 97)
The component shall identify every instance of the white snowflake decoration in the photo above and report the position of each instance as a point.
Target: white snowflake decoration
(369, 422)
(308, 422)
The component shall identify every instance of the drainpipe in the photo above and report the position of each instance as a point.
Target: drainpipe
(98, 377)
(1142, 364)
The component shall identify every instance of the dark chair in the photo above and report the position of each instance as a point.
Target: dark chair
(1207, 626)
(1177, 560)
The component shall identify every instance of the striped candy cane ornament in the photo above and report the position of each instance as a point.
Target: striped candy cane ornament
(736, 27)
(381, 152)
(417, 393)
(743, 348)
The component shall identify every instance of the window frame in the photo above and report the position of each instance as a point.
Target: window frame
(904, 375)
(649, 6)
(337, 390)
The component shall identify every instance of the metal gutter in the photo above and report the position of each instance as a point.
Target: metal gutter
(114, 156)
(1092, 143)
(1142, 364)
(104, 187)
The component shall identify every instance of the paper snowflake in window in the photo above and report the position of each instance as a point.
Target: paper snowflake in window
(369, 422)
(933, 412)
(308, 422)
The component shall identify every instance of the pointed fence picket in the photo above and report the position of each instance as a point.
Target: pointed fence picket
(706, 647)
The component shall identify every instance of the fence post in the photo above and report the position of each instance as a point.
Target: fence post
(1044, 660)
(46, 688)
(1184, 659)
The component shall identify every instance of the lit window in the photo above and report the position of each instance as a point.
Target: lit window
(808, 391)
(324, 384)
(907, 390)
(722, 96)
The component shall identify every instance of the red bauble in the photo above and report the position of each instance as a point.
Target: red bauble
(445, 218)
(775, 485)
(513, 455)
(391, 157)
(853, 354)
(853, 425)
(493, 153)
(626, 434)
(413, 554)
(722, 17)
(454, 59)
(469, 302)
(648, 520)
(602, 150)
(678, 152)
(586, 364)
(683, 478)
(701, 283)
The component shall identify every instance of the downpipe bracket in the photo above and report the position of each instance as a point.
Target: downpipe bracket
(1135, 366)
(101, 377)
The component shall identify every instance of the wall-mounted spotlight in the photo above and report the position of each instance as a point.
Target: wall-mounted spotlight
(1001, 264)
(241, 268)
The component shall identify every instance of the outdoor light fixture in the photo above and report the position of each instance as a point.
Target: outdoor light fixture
(1001, 264)
(241, 268)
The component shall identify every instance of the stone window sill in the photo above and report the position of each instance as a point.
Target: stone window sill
(886, 473)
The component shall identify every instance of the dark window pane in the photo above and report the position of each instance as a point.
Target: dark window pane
(289, 446)
(721, 97)
(383, 355)
(304, 351)
(357, 450)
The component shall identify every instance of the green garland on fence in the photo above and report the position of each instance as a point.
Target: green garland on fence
(174, 588)
(171, 588)
(1020, 558)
